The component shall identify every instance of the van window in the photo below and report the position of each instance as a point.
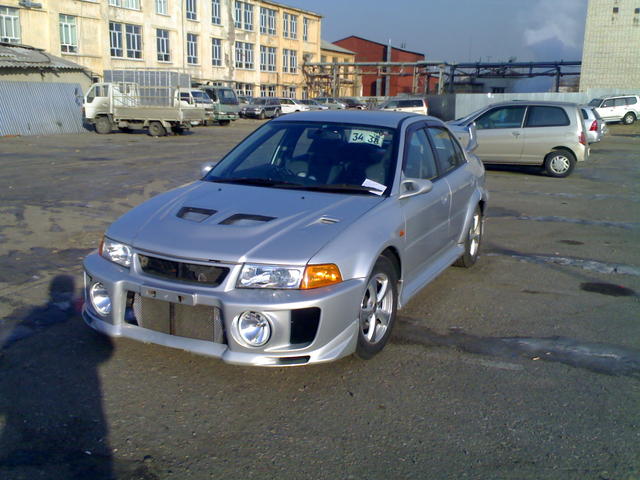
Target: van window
(501, 117)
(539, 116)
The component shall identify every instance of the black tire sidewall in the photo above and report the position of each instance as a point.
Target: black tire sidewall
(467, 260)
(566, 153)
(630, 116)
(364, 349)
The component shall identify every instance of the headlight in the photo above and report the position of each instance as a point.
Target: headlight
(276, 276)
(100, 299)
(116, 252)
(270, 276)
(254, 328)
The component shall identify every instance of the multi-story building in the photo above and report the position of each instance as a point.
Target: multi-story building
(257, 46)
(611, 43)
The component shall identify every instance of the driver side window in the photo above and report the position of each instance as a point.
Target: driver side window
(419, 161)
(503, 117)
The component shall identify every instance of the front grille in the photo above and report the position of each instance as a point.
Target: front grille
(199, 322)
(209, 275)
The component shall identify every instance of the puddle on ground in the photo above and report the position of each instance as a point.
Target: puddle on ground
(610, 289)
(571, 242)
(597, 357)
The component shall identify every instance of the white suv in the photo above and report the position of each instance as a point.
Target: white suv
(619, 108)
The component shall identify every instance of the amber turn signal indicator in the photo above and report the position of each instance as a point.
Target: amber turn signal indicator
(316, 276)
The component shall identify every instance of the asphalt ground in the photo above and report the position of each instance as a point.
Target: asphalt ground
(526, 366)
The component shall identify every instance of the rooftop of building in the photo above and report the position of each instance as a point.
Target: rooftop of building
(14, 55)
(324, 45)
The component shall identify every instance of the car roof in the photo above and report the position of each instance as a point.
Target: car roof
(533, 102)
(364, 117)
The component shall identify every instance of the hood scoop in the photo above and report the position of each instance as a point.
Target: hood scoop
(194, 214)
(245, 220)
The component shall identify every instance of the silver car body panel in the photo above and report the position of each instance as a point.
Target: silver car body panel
(305, 227)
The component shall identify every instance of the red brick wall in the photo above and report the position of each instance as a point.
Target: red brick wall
(367, 51)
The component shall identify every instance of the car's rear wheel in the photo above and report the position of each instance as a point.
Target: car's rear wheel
(472, 241)
(156, 129)
(559, 163)
(629, 118)
(377, 309)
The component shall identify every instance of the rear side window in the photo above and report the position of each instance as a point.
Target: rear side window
(632, 100)
(539, 116)
(448, 155)
(585, 115)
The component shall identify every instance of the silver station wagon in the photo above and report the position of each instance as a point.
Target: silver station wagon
(299, 246)
(549, 134)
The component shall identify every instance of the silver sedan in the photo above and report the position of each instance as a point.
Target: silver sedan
(299, 246)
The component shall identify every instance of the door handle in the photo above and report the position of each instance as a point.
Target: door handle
(515, 134)
(444, 199)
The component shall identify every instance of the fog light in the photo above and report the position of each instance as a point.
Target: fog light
(254, 328)
(100, 299)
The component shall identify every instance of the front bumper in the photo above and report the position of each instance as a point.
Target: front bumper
(335, 335)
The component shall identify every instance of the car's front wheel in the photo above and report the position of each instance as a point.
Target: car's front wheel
(377, 309)
(629, 118)
(559, 163)
(472, 241)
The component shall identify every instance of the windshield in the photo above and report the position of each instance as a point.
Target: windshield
(258, 101)
(227, 96)
(200, 97)
(595, 102)
(332, 157)
(472, 115)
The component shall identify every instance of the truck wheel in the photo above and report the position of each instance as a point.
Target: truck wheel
(224, 122)
(103, 125)
(156, 129)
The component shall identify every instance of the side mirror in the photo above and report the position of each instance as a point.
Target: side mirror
(411, 187)
(206, 168)
(473, 137)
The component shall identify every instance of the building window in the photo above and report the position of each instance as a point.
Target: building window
(305, 29)
(133, 35)
(162, 42)
(9, 25)
(115, 39)
(216, 52)
(267, 21)
(267, 59)
(244, 55)
(289, 92)
(215, 12)
(289, 61)
(305, 93)
(68, 34)
(132, 4)
(192, 49)
(289, 25)
(267, 90)
(243, 15)
(244, 89)
(192, 12)
(161, 7)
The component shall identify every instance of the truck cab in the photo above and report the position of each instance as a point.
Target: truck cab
(194, 98)
(226, 102)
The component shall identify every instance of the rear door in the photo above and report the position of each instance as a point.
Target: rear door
(500, 134)
(547, 127)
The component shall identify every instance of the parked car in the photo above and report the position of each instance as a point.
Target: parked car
(332, 103)
(595, 126)
(243, 101)
(313, 105)
(353, 103)
(619, 108)
(299, 246)
(551, 134)
(409, 105)
(291, 105)
(271, 107)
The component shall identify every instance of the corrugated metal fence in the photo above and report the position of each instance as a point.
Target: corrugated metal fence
(36, 108)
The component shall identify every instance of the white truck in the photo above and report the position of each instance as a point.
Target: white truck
(127, 105)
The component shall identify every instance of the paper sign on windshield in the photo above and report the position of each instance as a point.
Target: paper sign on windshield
(366, 136)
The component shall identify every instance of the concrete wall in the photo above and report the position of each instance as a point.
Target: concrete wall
(610, 57)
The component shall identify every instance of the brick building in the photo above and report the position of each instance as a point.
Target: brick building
(374, 83)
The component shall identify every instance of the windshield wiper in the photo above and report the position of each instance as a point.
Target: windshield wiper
(343, 187)
(260, 182)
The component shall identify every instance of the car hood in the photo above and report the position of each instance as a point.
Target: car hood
(239, 223)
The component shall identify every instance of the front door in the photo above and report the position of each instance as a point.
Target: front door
(500, 135)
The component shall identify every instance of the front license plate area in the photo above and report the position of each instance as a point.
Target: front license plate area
(168, 296)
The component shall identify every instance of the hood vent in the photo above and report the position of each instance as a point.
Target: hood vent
(244, 220)
(195, 214)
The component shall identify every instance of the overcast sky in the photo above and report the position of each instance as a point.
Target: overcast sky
(460, 30)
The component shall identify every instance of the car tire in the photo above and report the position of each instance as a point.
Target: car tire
(224, 123)
(277, 113)
(378, 309)
(559, 163)
(472, 241)
(103, 125)
(156, 129)
(262, 115)
(629, 118)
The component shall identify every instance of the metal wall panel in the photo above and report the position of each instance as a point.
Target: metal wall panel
(37, 108)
